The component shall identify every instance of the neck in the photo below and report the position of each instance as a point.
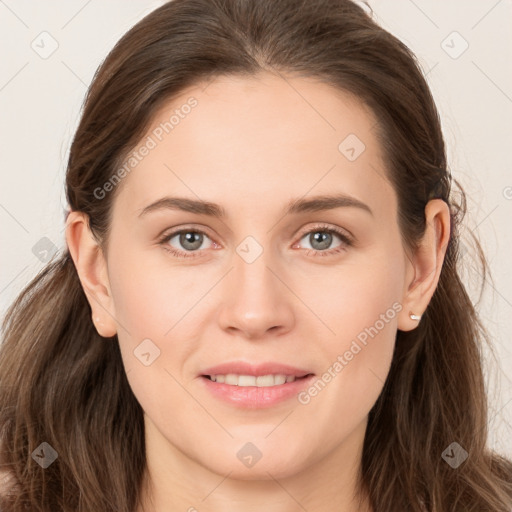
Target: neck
(176, 482)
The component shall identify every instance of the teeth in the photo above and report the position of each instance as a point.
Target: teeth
(262, 381)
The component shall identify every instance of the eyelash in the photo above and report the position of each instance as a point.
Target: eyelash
(347, 242)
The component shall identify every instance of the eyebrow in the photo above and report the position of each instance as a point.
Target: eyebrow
(313, 204)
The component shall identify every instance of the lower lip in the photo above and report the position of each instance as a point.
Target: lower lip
(253, 397)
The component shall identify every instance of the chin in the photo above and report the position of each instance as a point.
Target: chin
(266, 468)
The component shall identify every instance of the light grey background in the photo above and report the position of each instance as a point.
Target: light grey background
(41, 95)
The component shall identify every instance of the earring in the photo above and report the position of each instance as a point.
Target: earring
(412, 316)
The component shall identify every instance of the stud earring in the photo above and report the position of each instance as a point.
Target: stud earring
(412, 316)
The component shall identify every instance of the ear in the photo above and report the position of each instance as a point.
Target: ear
(425, 265)
(91, 267)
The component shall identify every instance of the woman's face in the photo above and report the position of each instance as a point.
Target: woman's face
(269, 284)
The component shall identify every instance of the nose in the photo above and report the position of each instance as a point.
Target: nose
(256, 300)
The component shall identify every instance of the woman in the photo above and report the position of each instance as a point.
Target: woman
(259, 304)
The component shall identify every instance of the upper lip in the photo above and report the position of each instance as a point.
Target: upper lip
(244, 368)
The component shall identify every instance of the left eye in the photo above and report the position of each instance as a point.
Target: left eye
(322, 239)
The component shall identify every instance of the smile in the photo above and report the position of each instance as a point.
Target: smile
(262, 381)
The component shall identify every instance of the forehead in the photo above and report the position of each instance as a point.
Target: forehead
(258, 141)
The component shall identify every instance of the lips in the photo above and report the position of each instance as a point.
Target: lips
(250, 380)
(275, 383)
(256, 370)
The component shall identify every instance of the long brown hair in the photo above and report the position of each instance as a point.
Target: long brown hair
(63, 384)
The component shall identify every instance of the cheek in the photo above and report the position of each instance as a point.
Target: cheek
(157, 311)
(352, 296)
(360, 306)
(147, 307)
(147, 297)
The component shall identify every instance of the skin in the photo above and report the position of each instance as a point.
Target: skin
(252, 145)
